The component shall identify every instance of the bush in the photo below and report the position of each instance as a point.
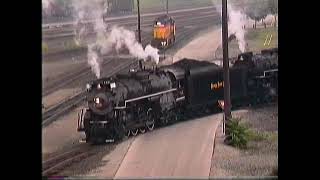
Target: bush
(237, 133)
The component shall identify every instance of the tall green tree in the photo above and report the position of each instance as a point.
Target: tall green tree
(273, 9)
(256, 10)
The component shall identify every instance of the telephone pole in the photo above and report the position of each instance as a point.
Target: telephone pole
(167, 6)
(139, 30)
(226, 77)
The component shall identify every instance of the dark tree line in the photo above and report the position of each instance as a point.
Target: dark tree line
(258, 10)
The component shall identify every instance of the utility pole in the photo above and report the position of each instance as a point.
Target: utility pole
(167, 6)
(139, 30)
(226, 76)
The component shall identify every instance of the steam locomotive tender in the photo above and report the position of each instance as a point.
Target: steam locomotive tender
(138, 101)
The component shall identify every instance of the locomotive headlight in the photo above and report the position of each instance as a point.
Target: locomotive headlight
(88, 86)
(97, 100)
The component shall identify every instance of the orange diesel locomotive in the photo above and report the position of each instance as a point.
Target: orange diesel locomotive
(164, 32)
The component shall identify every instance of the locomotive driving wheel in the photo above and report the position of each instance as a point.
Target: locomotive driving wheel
(121, 130)
(128, 133)
(150, 122)
(142, 130)
(165, 120)
(134, 132)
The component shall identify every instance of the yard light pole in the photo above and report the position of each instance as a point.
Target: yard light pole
(167, 6)
(139, 30)
(226, 76)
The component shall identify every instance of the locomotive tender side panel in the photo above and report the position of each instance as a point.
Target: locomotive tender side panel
(200, 85)
(238, 83)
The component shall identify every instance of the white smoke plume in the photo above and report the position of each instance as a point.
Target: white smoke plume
(94, 60)
(269, 19)
(105, 41)
(45, 4)
(121, 37)
(152, 52)
(88, 10)
(236, 21)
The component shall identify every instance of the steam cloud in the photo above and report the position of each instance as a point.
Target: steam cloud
(46, 4)
(236, 21)
(105, 41)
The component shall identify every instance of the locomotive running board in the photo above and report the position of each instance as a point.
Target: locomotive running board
(144, 97)
(268, 71)
(180, 98)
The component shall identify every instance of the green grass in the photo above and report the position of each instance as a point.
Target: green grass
(256, 38)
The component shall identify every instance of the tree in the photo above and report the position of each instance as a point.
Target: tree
(273, 9)
(256, 11)
(273, 6)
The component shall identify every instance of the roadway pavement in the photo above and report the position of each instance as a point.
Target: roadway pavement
(181, 150)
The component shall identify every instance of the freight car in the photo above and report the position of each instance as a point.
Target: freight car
(138, 101)
(164, 32)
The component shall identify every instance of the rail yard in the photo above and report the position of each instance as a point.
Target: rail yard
(118, 106)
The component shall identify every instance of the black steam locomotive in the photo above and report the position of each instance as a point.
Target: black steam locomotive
(127, 104)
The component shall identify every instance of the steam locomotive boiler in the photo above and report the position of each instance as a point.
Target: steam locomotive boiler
(127, 104)
(138, 101)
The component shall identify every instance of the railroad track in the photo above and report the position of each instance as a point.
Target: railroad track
(62, 108)
(67, 79)
(54, 164)
(192, 21)
(182, 24)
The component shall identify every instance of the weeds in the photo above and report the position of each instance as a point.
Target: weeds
(238, 133)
